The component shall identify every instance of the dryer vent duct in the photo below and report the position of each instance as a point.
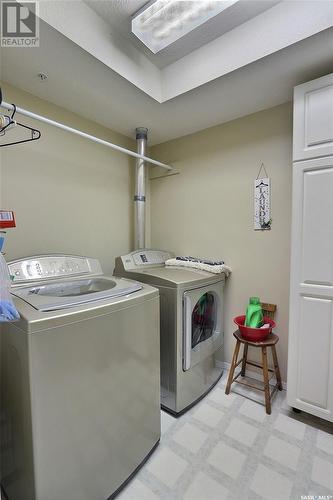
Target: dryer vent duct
(140, 190)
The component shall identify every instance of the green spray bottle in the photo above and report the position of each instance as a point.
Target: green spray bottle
(254, 316)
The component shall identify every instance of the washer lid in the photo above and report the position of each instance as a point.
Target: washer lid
(72, 292)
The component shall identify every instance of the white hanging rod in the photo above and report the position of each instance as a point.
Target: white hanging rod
(21, 111)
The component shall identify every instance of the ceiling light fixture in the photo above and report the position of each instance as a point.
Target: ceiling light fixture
(165, 21)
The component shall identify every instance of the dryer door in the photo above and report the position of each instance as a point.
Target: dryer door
(202, 320)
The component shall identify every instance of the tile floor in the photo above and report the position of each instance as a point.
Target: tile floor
(227, 448)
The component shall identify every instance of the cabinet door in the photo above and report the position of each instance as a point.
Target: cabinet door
(310, 358)
(313, 119)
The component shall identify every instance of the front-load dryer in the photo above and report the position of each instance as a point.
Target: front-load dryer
(80, 375)
(191, 325)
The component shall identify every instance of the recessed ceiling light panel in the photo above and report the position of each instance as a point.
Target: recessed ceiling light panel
(165, 21)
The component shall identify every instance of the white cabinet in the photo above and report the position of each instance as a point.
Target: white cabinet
(310, 357)
(313, 119)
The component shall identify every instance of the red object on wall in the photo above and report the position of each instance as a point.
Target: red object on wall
(7, 219)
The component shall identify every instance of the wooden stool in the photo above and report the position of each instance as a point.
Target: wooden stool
(270, 341)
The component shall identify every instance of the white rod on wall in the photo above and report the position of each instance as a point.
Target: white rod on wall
(21, 111)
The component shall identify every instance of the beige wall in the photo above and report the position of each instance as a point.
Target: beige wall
(73, 196)
(69, 195)
(207, 210)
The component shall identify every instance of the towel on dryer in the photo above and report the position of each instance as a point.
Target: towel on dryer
(211, 266)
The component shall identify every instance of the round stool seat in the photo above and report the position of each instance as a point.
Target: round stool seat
(272, 339)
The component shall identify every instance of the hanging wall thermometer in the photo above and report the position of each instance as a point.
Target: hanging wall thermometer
(262, 209)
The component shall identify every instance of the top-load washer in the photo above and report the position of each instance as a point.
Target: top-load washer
(191, 312)
(80, 373)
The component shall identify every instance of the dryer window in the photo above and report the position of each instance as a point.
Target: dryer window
(204, 318)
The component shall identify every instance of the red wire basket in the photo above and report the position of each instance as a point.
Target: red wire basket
(254, 334)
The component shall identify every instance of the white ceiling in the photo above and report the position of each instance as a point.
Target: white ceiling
(118, 15)
(80, 82)
(273, 29)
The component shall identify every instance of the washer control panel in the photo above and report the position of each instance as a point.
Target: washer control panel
(42, 267)
(144, 258)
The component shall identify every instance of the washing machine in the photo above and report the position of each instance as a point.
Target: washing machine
(191, 312)
(80, 380)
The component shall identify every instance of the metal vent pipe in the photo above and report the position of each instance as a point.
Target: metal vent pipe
(140, 190)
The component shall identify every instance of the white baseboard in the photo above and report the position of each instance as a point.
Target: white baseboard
(251, 373)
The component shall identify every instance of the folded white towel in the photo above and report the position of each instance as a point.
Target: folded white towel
(216, 269)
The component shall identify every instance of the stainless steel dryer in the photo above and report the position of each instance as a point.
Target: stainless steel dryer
(80, 380)
(191, 312)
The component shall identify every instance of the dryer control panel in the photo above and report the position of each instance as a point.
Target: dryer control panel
(143, 258)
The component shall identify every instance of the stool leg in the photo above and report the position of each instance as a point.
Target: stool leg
(266, 380)
(244, 359)
(232, 367)
(276, 368)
